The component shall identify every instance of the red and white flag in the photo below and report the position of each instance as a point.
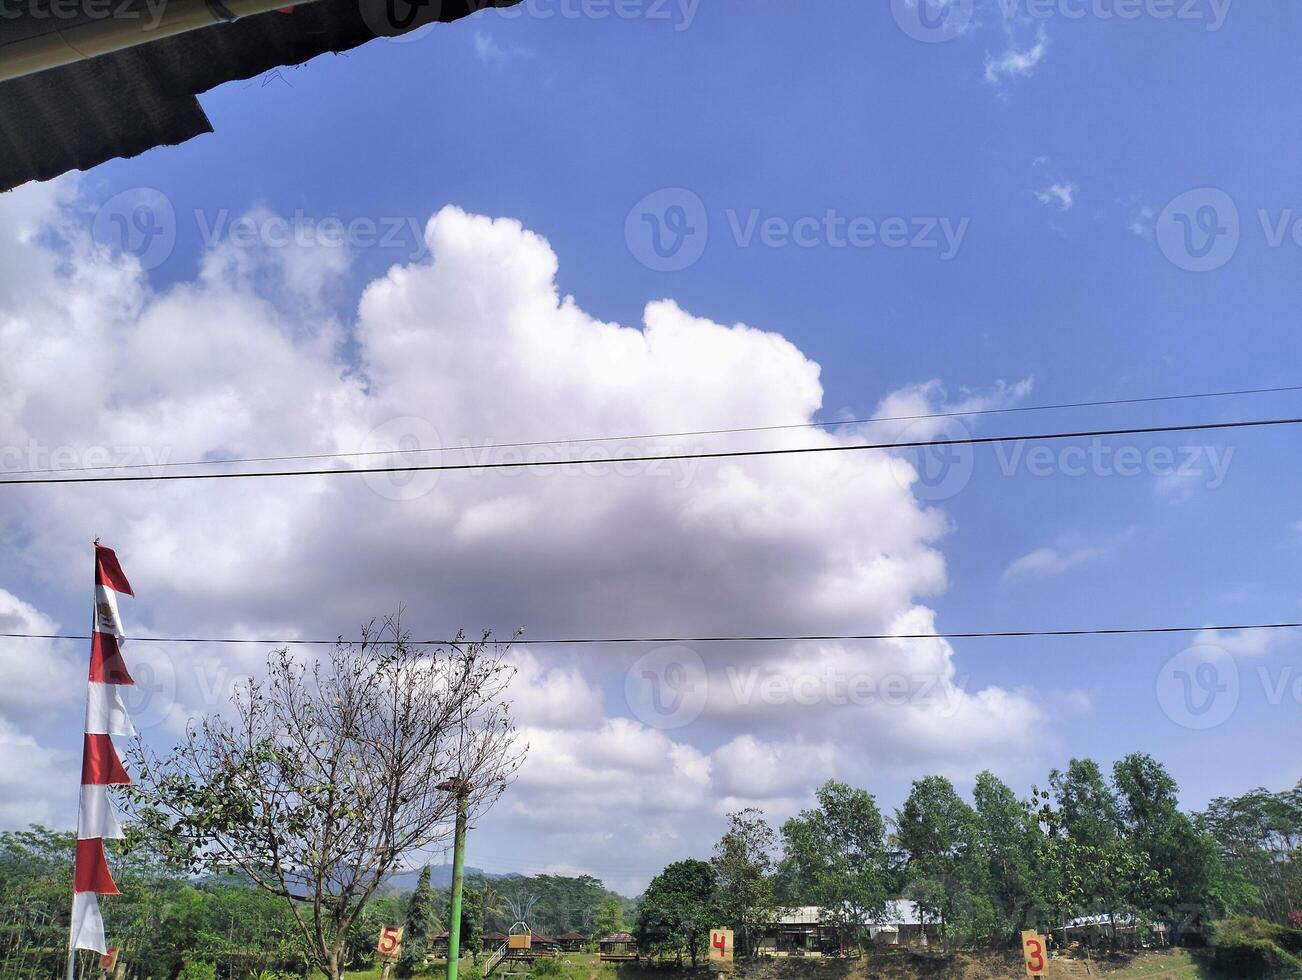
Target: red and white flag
(106, 716)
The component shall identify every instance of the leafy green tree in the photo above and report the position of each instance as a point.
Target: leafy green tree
(1259, 837)
(1009, 841)
(678, 911)
(938, 833)
(1087, 814)
(835, 857)
(744, 872)
(472, 920)
(609, 917)
(420, 926)
(1184, 861)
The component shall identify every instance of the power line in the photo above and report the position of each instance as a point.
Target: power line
(798, 638)
(677, 435)
(669, 457)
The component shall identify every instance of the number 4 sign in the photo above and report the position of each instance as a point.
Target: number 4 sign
(720, 945)
(1033, 953)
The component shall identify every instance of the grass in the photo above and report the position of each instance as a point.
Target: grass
(1176, 964)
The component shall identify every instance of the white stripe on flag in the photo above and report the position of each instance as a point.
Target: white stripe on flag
(87, 925)
(106, 713)
(107, 619)
(97, 817)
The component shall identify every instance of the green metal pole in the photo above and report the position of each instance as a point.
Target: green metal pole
(458, 879)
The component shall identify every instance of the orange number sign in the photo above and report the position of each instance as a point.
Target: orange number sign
(390, 942)
(1033, 953)
(721, 945)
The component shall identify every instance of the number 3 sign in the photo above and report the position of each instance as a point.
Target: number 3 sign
(390, 942)
(1033, 953)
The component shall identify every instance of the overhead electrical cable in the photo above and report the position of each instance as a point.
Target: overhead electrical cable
(669, 435)
(760, 638)
(666, 457)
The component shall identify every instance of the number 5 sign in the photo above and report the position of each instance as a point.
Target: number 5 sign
(390, 943)
(1033, 954)
(720, 945)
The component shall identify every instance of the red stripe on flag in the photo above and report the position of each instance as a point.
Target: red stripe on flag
(109, 572)
(92, 870)
(100, 765)
(106, 663)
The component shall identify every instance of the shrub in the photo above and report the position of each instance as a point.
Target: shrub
(1251, 948)
(545, 968)
(197, 970)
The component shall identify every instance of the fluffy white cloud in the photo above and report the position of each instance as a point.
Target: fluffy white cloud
(1061, 195)
(1071, 552)
(1018, 59)
(474, 344)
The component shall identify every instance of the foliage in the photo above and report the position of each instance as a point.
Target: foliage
(743, 868)
(1009, 840)
(420, 925)
(472, 920)
(608, 918)
(1258, 836)
(938, 833)
(1248, 947)
(198, 970)
(327, 776)
(835, 857)
(678, 910)
(559, 904)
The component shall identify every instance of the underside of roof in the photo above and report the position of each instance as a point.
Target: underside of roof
(121, 104)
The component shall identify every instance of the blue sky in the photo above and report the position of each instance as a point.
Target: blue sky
(1054, 142)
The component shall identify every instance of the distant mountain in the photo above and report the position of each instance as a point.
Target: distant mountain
(440, 877)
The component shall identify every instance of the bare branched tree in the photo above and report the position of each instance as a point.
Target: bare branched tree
(323, 777)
